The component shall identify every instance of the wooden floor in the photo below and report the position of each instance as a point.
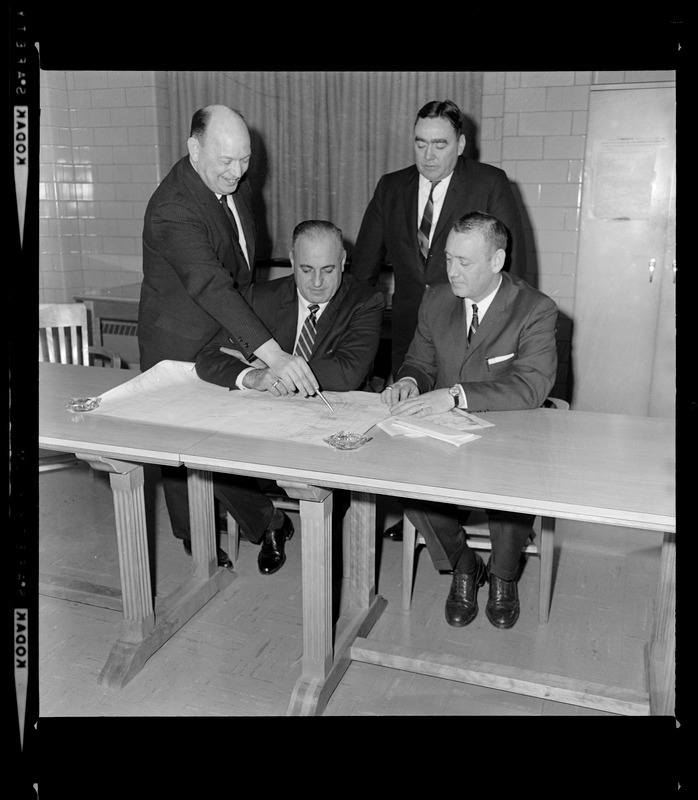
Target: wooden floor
(240, 655)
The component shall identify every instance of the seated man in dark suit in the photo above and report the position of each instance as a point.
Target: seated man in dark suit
(346, 315)
(484, 342)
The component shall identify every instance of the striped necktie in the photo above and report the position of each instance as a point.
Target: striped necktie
(425, 226)
(474, 322)
(304, 346)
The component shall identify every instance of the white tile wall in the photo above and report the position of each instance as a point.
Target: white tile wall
(541, 147)
(105, 148)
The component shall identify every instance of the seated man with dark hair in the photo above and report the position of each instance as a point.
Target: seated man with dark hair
(320, 313)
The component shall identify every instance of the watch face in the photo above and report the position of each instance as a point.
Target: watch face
(454, 391)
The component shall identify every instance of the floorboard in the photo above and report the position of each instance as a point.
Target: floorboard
(241, 654)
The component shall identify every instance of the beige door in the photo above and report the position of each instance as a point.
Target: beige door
(623, 340)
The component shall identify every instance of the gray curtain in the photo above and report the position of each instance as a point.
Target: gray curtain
(320, 140)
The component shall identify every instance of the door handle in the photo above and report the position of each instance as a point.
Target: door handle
(653, 262)
(674, 271)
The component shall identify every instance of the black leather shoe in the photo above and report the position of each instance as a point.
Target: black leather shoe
(394, 532)
(503, 604)
(223, 560)
(272, 555)
(461, 603)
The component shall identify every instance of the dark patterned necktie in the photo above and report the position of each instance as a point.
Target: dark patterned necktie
(304, 346)
(230, 215)
(425, 226)
(473, 323)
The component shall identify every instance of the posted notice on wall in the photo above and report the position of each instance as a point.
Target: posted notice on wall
(623, 178)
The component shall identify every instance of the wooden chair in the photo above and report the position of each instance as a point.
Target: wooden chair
(63, 339)
(476, 528)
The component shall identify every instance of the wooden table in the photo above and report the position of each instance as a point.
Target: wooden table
(121, 448)
(601, 468)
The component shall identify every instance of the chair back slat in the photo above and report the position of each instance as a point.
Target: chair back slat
(63, 335)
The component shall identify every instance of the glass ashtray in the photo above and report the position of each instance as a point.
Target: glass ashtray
(82, 403)
(346, 441)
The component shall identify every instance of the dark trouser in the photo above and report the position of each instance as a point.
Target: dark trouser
(240, 495)
(447, 543)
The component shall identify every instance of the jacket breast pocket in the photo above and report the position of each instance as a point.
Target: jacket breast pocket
(500, 363)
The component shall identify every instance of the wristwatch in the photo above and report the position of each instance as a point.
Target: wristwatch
(454, 391)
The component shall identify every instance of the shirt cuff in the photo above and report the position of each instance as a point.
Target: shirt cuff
(238, 380)
(463, 398)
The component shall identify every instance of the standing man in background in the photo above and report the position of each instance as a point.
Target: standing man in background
(198, 263)
(407, 221)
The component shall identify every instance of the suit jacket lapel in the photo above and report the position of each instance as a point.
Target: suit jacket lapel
(454, 326)
(285, 315)
(451, 202)
(245, 215)
(411, 204)
(328, 317)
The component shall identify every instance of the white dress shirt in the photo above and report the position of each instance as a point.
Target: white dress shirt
(303, 305)
(303, 312)
(482, 307)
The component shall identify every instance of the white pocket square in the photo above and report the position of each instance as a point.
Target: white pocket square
(497, 359)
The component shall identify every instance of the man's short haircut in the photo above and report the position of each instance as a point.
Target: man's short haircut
(442, 109)
(198, 123)
(493, 231)
(200, 120)
(317, 228)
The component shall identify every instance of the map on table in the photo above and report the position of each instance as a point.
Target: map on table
(171, 393)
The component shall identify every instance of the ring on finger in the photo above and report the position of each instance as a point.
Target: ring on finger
(275, 384)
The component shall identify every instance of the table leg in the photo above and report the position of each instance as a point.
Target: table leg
(127, 481)
(362, 549)
(202, 523)
(324, 664)
(660, 654)
(146, 628)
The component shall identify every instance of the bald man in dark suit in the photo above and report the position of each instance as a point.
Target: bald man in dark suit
(198, 263)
